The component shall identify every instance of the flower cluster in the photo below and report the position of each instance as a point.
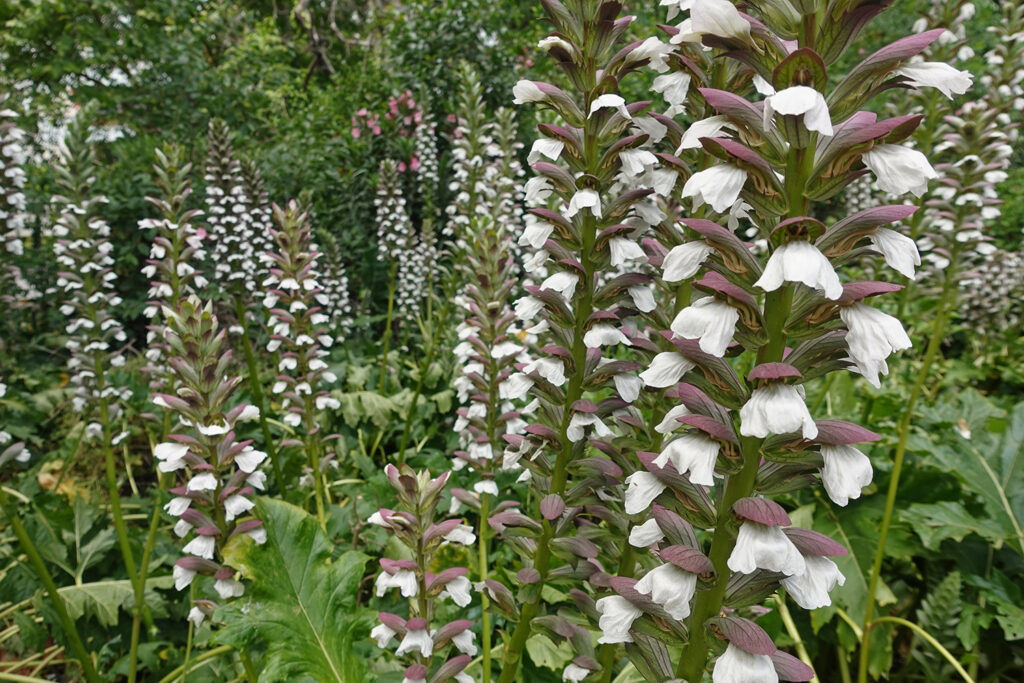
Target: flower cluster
(13, 155)
(425, 163)
(365, 121)
(394, 227)
(334, 282)
(405, 113)
(417, 270)
(231, 235)
(421, 640)
(992, 295)
(83, 250)
(177, 245)
(297, 322)
(690, 485)
(219, 472)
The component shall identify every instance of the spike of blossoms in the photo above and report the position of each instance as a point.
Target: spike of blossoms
(218, 473)
(258, 214)
(177, 245)
(334, 281)
(232, 253)
(83, 250)
(298, 334)
(438, 651)
(13, 155)
(426, 162)
(715, 542)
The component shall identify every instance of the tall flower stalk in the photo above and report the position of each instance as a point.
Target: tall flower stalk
(83, 250)
(394, 237)
(298, 334)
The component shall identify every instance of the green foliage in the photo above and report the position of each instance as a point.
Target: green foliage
(306, 615)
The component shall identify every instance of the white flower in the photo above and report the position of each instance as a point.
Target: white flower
(693, 452)
(551, 369)
(899, 251)
(673, 86)
(737, 665)
(899, 169)
(249, 412)
(574, 673)
(249, 459)
(643, 298)
(182, 577)
(604, 335)
(623, 251)
(684, 260)
(670, 587)
(228, 588)
(418, 639)
(196, 616)
(458, 589)
(845, 473)
(383, 634)
(562, 282)
(628, 386)
(711, 321)
(171, 455)
(705, 128)
(799, 100)
(646, 534)
(617, 617)
(463, 534)
(776, 408)
(811, 588)
(584, 199)
(610, 100)
(177, 505)
(720, 18)
(548, 147)
(527, 91)
(669, 423)
(719, 186)
(580, 421)
(403, 579)
(872, 337)
(764, 547)
(800, 261)
(202, 482)
(666, 369)
(236, 505)
(641, 490)
(201, 546)
(464, 642)
(938, 75)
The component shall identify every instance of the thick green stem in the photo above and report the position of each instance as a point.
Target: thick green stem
(39, 566)
(483, 541)
(937, 333)
(256, 389)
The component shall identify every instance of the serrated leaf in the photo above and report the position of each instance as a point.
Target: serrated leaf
(103, 599)
(935, 522)
(545, 653)
(306, 614)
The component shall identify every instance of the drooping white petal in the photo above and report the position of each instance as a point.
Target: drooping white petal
(811, 589)
(610, 100)
(684, 260)
(800, 261)
(739, 666)
(418, 639)
(669, 423)
(720, 18)
(899, 169)
(667, 368)
(670, 587)
(641, 490)
(617, 617)
(645, 534)
(873, 335)
(694, 453)
(899, 251)
(776, 408)
(719, 186)
(938, 75)
(711, 321)
(800, 100)
(764, 547)
(845, 473)
(705, 128)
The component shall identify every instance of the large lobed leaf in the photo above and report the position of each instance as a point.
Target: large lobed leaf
(304, 603)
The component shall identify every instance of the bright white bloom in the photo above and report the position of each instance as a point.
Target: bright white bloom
(800, 261)
(624, 251)
(673, 86)
(799, 100)
(667, 368)
(464, 642)
(202, 482)
(628, 386)
(845, 473)
(196, 616)
(201, 546)
(383, 634)
(604, 335)
(527, 91)
(641, 490)
(562, 282)
(684, 260)
(764, 547)
(551, 369)
(458, 589)
(182, 577)
(736, 665)
(694, 453)
(669, 423)
(711, 321)
(645, 534)
(463, 534)
(938, 75)
(574, 673)
(228, 588)
(403, 579)
(418, 639)
(670, 587)
(236, 505)
(900, 169)
(899, 251)
(705, 128)
(249, 459)
(171, 456)
(872, 337)
(548, 147)
(776, 408)
(610, 100)
(580, 421)
(720, 18)
(617, 617)
(584, 199)
(810, 589)
(719, 186)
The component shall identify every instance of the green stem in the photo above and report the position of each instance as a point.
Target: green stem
(928, 638)
(794, 633)
(185, 669)
(250, 671)
(256, 389)
(932, 351)
(36, 560)
(483, 541)
(387, 327)
(188, 639)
